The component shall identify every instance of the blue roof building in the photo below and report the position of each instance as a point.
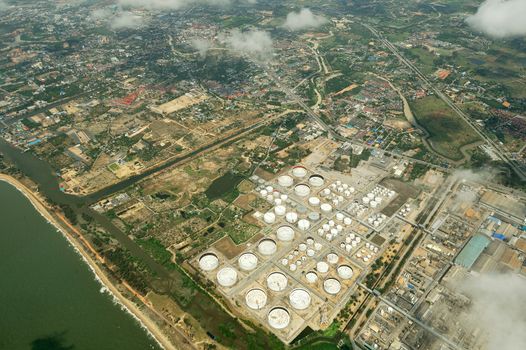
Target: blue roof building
(472, 250)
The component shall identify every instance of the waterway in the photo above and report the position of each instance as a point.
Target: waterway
(49, 298)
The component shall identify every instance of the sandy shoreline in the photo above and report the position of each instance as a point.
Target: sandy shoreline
(149, 325)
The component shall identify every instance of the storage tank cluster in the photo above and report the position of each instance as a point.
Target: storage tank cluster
(351, 242)
(333, 228)
(406, 209)
(356, 208)
(367, 254)
(337, 192)
(299, 255)
(377, 195)
(376, 220)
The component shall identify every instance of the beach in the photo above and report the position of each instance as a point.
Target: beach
(86, 251)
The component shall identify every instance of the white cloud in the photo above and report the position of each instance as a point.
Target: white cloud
(126, 19)
(497, 305)
(500, 18)
(304, 19)
(201, 45)
(255, 43)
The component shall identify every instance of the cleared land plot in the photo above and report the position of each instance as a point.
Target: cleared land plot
(448, 133)
(404, 192)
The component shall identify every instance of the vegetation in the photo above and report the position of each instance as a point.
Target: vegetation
(448, 133)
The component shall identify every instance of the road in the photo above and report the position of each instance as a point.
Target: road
(495, 148)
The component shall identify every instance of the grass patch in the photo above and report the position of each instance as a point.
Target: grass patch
(448, 133)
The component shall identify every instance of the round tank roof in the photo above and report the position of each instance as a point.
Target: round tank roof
(285, 181)
(269, 217)
(303, 224)
(256, 299)
(299, 299)
(326, 207)
(227, 276)
(278, 318)
(314, 216)
(291, 217)
(248, 261)
(280, 210)
(267, 246)
(332, 286)
(345, 272)
(314, 201)
(285, 233)
(208, 262)
(299, 171)
(311, 277)
(302, 190)
(322, 267)
(316, 180)
(332, 258)
(277, 281)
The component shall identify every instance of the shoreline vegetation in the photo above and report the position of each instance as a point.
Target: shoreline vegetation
(81, 246)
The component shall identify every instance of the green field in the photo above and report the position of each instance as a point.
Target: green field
(448, 133)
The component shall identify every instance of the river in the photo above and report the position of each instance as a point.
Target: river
(49, 298)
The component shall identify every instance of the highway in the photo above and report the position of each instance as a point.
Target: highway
(495, 148)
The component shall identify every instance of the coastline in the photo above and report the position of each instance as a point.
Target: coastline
(129, 306)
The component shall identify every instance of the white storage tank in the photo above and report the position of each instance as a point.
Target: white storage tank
(227, 277)
(322, 267)
(208, 262)
(285, 181)
(280, 210)
(303, 224)
(285, 233)
(326, 208)
(311, 277)
(332, 286)
(316, 180)
(302, 190)
(269, 217)
(345, 272)
(314, 201)
(300, 299)
(332, 258)
(299, 172)
(256, 299)
(278, 318)
(291, 217)
(277, 281)
(247, 261)
(267, 246)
